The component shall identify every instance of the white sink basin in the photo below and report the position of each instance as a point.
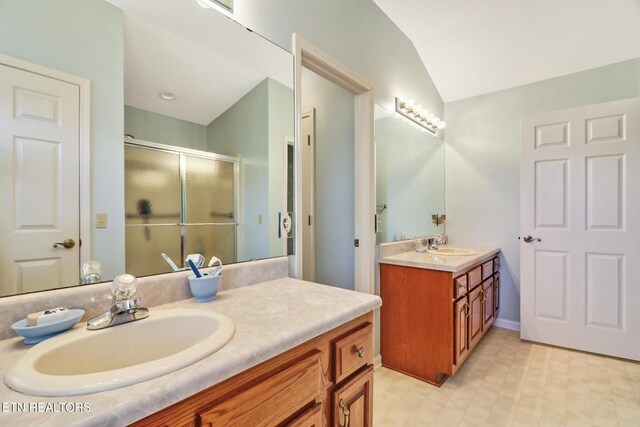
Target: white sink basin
(82, 361)
(452, 251)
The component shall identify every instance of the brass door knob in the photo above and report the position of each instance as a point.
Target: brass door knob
(68, 243)
(360, 352)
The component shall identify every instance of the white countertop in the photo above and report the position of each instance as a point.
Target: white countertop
(271, 318)
(431, 261)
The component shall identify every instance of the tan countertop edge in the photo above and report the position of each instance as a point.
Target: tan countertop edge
(454, 264)
(271, 318)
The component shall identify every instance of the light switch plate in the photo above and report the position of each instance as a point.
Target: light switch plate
(101, 220)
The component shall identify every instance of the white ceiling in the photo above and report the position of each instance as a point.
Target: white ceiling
(207, 60)
(472, 47)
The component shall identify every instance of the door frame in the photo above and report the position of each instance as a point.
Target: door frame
(311, 189)
(84, 122)
(287, 141)
(313, 58)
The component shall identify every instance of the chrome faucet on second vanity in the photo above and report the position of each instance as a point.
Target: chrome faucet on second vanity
(124, 308)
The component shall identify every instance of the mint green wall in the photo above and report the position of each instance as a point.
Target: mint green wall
(242, 131)
(409, 179)
(84, 38)
(356, 33)
(483, 159)
(162, 129)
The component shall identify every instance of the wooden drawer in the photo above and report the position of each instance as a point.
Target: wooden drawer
(352, 352)
(460, 286)
(273, 400)
(475, 277)
(487, 270)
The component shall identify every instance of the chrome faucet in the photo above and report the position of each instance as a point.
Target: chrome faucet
(124, 308)
(436, 241)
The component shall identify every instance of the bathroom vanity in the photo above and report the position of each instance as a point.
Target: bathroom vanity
(436, 309)
(327, 378)
(302, 354)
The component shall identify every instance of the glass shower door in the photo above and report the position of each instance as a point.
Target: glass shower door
(210, 207)
(152, 209)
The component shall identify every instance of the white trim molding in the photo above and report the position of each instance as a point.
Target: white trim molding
(84, 86)
(377, 362)
(311, 57)
(507, 324)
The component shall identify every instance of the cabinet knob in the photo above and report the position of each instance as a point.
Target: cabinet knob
(345, 413)
(360, 352)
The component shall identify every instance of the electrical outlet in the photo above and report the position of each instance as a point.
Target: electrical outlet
(260, 219)
(101, 220)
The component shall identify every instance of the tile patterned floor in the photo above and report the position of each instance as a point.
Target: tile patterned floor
(508, 382)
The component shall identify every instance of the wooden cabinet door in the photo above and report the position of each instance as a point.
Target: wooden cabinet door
(461, 310)
(487, 309)
(476, 325)
(353, 402)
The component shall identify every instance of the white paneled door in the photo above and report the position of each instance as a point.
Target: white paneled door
(39, 181)
(580, 228)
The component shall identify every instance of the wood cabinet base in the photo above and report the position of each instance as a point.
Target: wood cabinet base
(431, 320)
(296, 388)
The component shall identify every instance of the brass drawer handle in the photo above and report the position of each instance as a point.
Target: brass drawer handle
(360, 352)
(345, 413)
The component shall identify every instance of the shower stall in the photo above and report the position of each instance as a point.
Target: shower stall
(178, 202)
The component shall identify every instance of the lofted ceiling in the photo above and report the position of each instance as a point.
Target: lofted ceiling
(207, 60)
(472, 47)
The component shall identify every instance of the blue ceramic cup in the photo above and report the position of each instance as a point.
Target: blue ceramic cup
(204, 288)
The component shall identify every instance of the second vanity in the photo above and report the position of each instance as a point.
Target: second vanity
(436, 308)
(302, 354)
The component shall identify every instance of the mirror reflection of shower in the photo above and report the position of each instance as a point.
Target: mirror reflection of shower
(179, 202)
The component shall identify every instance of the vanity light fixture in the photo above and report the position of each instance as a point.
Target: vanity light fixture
(224, 6)
(167, 96)
(419, 115)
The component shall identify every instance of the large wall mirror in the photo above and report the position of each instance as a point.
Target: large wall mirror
(409, 178)
(188, 118)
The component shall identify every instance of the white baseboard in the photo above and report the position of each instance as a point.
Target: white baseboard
(507, 324)
(377, 362)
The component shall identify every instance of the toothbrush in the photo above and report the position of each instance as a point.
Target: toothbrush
(170, 262)
(213, 261)
(195, 269)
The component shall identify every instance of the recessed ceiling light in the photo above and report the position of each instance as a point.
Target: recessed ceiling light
(167, 96)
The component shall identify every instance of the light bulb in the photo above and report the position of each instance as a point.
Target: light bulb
(442, 125)
(436, 121)
(410, 104)
(424, 114)
(417, 109)
(431, 117)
